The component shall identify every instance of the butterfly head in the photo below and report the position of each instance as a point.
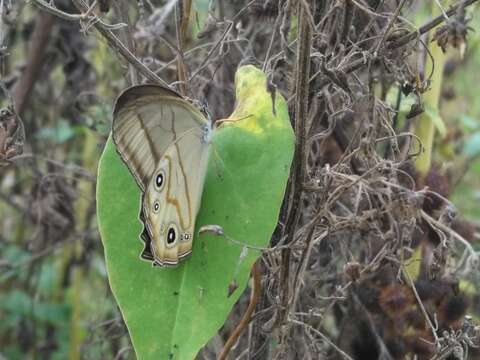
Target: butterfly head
(207, 133)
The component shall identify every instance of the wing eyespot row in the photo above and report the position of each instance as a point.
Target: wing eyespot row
(185, 237)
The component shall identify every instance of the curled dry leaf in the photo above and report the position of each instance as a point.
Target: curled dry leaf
(453, 33)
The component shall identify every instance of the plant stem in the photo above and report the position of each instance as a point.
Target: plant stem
(298, 172)
(256, 292)
(82, 208)
(424, 126)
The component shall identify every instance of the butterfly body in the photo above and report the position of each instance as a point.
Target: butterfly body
(164, 141)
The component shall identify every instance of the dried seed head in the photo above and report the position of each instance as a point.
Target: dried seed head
(453, 33)
(396, 300)
(452, 309)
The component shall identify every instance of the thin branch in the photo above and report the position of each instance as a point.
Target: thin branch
(248, 313)
(434, 223)
(420, 304)
(182, 19)
(324, 338)
(204, 63)
(57, 12)
(299, 166)
(429, 25)
(106, 31)
(36, 50)
(390, 25)
(357, 64)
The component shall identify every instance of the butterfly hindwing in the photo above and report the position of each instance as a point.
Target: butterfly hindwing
(146, 254)
(172, 198)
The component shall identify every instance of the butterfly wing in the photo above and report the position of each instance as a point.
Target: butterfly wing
(163, 140)
(146, 120)
(172, 200)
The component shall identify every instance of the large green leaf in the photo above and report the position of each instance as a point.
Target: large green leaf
(172, 312)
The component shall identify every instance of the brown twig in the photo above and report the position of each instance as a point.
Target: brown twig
(36, 50)
(324, 338)
(212, 50)
(59, 13)
(420, 304)
(126, 35)
(357, 64)
(220, 41)
(182, 29)
(390, 25)
(256, 291)
(115, 43)
(299, 167)
(429, 25)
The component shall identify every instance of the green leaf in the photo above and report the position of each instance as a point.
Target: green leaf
(173, 312)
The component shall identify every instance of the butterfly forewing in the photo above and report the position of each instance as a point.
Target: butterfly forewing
(163, 140)
(146, 120)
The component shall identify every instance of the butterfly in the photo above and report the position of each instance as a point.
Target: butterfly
(164, 141)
